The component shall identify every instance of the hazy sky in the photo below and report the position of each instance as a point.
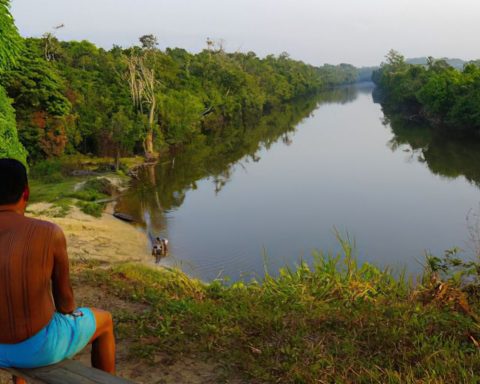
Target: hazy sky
(359, 32)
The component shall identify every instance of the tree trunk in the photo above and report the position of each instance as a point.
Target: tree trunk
(151, 123)
(149, 143)
(117, 159)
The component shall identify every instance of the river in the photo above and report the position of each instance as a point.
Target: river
(265, 195)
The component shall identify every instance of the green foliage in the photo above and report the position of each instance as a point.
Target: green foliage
(52, 183)
(46, 168)
(94, 189)
(333, 320)
(9, 144)
(49, 171)
(91, 208)
(340, 74)
(436, 92)
(124, 131)
(180, 113)
(78, 98)
(38, 93)
(216, 154)
(10, 40)
(10, 47)
(36, 86)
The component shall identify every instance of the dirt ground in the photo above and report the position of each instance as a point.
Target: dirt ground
(163, 370)
(111, 240)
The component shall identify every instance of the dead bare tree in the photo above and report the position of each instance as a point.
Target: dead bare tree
(48, 38)
(143, 87)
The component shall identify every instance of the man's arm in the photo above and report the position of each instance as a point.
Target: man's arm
(61, 286)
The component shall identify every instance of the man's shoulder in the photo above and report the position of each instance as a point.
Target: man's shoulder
(44, 224)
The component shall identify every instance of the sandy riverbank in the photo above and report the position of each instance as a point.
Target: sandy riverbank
(110, 240)
(105, 239)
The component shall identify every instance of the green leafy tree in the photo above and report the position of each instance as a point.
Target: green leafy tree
(81, 97)
(123, 134)
(38, 93)
(180, 113)
(10, 40)
(437, 92)
(10, 46)
(9, 144)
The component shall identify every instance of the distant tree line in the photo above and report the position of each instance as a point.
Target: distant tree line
(72, 97)
(436, 92)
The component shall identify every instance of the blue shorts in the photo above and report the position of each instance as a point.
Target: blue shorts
(60, 339)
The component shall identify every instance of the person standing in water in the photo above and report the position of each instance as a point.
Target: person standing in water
(157, 249)
(164, 246)
(40, 322)
(160, 248)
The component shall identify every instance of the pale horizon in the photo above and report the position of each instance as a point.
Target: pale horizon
(317, 32)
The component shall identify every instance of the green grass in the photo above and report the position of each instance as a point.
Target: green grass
(41, 191)
(57, 194)
(91, 208)
(62, 195)
(51, 182)
(333, 322)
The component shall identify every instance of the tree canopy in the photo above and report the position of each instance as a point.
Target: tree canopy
(75, 97)
(437, 92)
(10, 46)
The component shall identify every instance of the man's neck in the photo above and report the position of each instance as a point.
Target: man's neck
(16, 208)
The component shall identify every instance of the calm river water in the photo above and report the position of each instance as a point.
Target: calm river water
(266, 195)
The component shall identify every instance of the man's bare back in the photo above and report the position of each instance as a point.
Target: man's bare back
(38, 325)
(33, 265)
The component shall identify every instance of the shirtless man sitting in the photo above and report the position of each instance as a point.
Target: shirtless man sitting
(40, 324)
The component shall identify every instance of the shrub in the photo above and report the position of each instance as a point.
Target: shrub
(91, 208)
(49, 171)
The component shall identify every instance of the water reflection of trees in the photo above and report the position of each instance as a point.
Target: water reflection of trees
(215, 157)
(444, 155)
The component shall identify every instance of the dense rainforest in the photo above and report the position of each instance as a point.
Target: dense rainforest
(442, 95)
(10, 46)
(73, 97)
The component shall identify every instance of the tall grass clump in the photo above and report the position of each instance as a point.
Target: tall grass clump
(333, 321)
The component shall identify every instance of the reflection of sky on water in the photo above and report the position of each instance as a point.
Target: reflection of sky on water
(338, 171)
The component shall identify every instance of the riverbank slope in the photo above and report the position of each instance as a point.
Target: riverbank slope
(104, 239)
(332, 321)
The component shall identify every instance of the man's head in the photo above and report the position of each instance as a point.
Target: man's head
(14, 190)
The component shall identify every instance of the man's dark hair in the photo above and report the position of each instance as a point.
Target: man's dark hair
(13, 181)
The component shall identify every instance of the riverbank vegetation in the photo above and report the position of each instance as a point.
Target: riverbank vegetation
(217, 155)
(10, 47)
(436, 92)
(77, 180)
(333, 321)
(330, 320)
(73, 97)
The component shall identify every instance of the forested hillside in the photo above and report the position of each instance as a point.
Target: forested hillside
(444, 96)
(10, 47)
(72, 97)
